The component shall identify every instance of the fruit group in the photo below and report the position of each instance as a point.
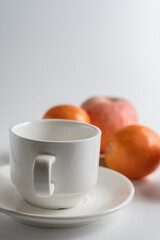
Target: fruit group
(133, 151)
(67, 112)
(109, 114)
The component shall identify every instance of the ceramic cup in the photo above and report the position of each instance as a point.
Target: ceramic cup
(53, 162)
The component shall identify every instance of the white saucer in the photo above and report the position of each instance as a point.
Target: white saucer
(112, 192)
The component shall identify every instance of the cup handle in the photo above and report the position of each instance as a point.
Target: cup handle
(42, 171)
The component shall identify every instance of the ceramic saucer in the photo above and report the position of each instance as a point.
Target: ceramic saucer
(112, 192)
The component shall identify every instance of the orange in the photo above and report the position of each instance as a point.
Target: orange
(67, 112)
(133, 151)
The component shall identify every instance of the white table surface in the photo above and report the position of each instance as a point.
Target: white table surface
(138, 220)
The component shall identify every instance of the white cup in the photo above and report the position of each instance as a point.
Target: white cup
(53, 162)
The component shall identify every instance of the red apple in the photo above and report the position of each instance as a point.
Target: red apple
(109, 114)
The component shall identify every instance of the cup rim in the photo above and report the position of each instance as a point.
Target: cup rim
(11, 130)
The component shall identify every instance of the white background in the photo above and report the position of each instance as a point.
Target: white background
(64, 51)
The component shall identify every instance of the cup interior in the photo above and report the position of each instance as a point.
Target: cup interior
(55, 130)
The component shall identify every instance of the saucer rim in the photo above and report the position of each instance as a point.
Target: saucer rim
(131, 193)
